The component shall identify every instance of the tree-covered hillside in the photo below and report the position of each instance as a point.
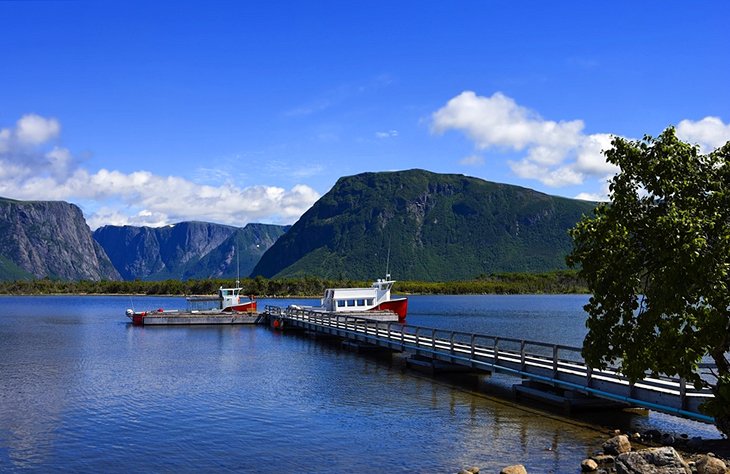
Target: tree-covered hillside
(434, 226)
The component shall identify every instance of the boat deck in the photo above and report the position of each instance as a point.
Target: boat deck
(199, 318)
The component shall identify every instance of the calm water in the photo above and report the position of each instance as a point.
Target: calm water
(82, 390)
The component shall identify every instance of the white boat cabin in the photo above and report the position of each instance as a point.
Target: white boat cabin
(229, 297)
(357, 299)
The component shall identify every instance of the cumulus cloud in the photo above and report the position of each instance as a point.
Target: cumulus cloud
(709, 133)
(33, 129)
(556, 153)
(31, 168)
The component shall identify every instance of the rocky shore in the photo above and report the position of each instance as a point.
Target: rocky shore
(650, 453)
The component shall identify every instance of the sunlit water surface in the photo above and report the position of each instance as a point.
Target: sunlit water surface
(82, 390)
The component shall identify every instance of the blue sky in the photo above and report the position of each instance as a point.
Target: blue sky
(150, 113)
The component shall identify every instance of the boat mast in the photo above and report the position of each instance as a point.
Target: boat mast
(238, 268)
(387, 263)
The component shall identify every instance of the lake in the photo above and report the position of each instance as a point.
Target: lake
(83, 390)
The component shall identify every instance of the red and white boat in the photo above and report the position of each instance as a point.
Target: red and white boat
(229, 301)
(358, 300)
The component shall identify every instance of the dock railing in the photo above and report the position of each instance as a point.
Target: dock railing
(555, 364)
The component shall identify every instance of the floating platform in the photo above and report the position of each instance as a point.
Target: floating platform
(188, 318)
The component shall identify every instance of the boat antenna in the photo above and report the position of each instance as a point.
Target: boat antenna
(238, 268)
(387, 262)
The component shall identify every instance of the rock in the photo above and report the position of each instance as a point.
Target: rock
(604, 460)
(694, 443)
(514, 469)
(652, 435)
(636, 436)
(617, 445)
(664, 460)
(668, 440)
(710, 465)
(588, 465)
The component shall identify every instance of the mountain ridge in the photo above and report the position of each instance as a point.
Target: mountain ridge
(437, 227)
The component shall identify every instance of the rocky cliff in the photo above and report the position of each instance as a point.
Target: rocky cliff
(157, 253)
(49, 239)
(186, 250)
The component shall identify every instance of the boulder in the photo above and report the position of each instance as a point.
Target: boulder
(664, 460)
(710, 465)
(514, 469)
(617, 445)
(588, 465)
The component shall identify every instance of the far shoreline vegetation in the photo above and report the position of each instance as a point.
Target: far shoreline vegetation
(555, 282)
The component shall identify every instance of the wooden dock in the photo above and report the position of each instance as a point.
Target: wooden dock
(554, 372)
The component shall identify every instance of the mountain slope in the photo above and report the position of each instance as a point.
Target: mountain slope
(249, 243)
(49, 239)
(157, 253)
(185, 250)
(437, 227)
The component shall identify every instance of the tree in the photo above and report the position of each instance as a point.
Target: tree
(657, 262)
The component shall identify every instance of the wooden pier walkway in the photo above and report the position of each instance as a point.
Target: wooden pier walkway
(549, 364)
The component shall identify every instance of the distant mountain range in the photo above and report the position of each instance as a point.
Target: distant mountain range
(416, 224)
(41, 239)
(186, 250)
(425, 226)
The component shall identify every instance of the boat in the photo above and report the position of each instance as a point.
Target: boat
(231, 307)
(376, 298)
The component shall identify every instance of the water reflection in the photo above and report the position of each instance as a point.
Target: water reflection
(83, 390)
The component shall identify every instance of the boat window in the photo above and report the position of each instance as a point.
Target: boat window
(370, 301)
(361, 302)
(340, 303)
(350, 302)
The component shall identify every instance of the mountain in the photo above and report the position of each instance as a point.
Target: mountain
(425, 226)
(185, 250)
(49, 239)
(249, 242)
(158, 253)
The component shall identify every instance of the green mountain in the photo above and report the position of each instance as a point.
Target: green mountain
(49, 239)
(425, 226)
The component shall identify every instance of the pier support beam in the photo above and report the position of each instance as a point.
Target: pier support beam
(568, 400)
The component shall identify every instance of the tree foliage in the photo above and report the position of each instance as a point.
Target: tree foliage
(657, 261)
(562, 281)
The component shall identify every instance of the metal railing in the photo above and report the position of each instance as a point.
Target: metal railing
(556, 364)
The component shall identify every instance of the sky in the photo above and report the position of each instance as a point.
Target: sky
(152, 113)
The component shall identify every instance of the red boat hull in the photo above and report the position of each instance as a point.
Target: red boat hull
(398, 306)
(248, 306)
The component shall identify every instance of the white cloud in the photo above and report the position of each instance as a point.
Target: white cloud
(34, 130)
(137, 198)
(499, 121)
(386, 134)
(472, 160)
(709, 133)
(555, 153)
